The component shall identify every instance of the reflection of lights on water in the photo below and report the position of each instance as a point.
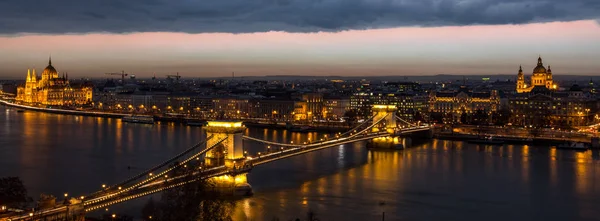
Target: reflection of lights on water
(247, 209)
(341, 156)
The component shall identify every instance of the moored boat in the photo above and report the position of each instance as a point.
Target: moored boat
(486, 140)
(572, 146)
(195, 123)
(140, 119)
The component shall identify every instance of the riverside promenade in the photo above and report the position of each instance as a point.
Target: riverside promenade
(63, 111)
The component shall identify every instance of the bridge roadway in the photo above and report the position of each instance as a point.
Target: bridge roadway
(158, 184)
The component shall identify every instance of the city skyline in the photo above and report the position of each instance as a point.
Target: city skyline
(356, 38)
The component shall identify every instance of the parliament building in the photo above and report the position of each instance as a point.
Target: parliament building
(50, 89)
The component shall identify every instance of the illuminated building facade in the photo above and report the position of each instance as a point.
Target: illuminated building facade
(360, 102)
(542, 107)
(540, 77)
(50, 89)
(335, 108)
(409, 105)
(452, 104)
(274, 109)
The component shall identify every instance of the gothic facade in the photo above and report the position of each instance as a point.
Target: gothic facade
(50, 89)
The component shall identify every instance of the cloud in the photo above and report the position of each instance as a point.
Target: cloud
(241, 16)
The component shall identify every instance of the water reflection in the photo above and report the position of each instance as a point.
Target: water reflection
(432, 181)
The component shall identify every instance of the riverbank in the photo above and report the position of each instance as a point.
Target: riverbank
(177, 120)
(63, 111)
(592, 142)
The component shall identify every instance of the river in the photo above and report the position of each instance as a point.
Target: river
(436, 180)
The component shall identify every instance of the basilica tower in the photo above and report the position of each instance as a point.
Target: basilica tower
(539, 78)
(520, 79)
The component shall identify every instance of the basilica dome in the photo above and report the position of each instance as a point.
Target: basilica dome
(539, 69)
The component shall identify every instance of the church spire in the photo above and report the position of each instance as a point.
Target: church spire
(540, 61)
(28, 76)
(50, 60)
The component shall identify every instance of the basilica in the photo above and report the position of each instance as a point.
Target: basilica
(541, 77)
(51, 89)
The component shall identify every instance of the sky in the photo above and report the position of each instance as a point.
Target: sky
(213, 38)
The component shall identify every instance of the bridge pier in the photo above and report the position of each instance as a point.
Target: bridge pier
(229, 153)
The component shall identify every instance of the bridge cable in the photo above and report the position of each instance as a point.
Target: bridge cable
(399, 118)
(157, 175)
(163, 163)
(302, 145)
(316, 143)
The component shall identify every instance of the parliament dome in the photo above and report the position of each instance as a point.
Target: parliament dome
(50, 70)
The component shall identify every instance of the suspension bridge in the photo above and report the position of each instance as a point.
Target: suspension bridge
(222, 159)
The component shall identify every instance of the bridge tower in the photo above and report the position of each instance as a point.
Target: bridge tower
(388, 112)
(229, 153)
(387, 115)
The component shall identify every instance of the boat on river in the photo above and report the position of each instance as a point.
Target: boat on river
(486, 140)
(573, 146)
(140, 119)
(195, 123)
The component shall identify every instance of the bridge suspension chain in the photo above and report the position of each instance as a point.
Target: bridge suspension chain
(304, 145)
(411, 124)
(360, 125)
(155, 176)
(300, 150)
(162, 164)
(321, 142)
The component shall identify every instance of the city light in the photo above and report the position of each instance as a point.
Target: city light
(224, 124)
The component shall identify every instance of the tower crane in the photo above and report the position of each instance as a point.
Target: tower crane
(177, 77)
(123, 74)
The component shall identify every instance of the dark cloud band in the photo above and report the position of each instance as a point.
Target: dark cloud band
(238, 16)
